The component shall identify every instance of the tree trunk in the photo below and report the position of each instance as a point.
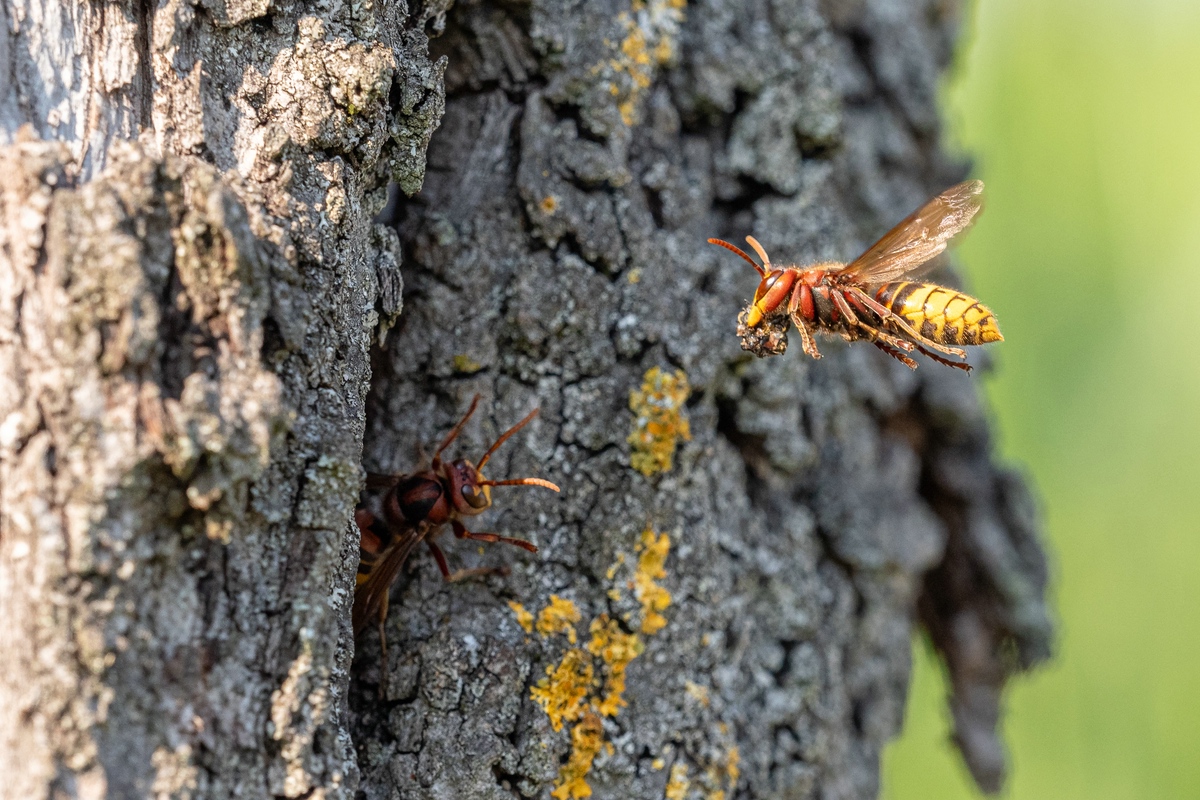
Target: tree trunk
(193, 293)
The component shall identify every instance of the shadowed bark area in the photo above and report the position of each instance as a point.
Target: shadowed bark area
(555, 255)
(192, 296)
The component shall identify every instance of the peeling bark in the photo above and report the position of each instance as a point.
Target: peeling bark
(193, 293)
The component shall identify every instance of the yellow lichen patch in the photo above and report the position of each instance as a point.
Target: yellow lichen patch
(558, 617)
(664, 51)
(587, 739)
(720, 779)
(524, 618)
(650, 568)
(549, 204)
(466, 365)
(616, 649)
(658, 420)
(651, 28)
(697, 692)
(588, 684)
(732, 772)
(628, 109)
(677, 785)
(564, 692)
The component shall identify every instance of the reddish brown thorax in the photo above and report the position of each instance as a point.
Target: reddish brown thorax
(417, 498)
(775, 289)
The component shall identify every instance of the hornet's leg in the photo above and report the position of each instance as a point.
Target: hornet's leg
(477, 572)
(458, 575)
(461, 532)
(806, 340)
(440, 558)
(872, 334)
(888, 315)
(946, 361)
(896, 354)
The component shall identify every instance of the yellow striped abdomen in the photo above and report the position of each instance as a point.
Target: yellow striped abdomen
(940, 314)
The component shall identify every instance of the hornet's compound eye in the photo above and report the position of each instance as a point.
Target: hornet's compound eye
(474, 496)
(766, 284)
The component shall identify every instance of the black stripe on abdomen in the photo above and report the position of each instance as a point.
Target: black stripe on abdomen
(894, 295)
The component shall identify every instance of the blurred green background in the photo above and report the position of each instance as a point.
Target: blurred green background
(1084, 119)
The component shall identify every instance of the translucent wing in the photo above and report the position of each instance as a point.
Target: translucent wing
(369, 596)
(918, 238)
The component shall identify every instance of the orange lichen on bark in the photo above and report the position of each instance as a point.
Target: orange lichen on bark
(563, 694)
(658, 420)
(558, 617)
(651, 568)
(587, 739)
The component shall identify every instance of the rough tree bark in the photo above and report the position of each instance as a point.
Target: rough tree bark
(193, 297)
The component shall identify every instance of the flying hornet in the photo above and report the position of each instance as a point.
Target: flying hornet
(876, 297)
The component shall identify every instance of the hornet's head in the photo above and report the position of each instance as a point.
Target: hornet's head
(772, 289)
(470, 492)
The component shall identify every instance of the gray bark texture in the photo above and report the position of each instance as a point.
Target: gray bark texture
(201, 344)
